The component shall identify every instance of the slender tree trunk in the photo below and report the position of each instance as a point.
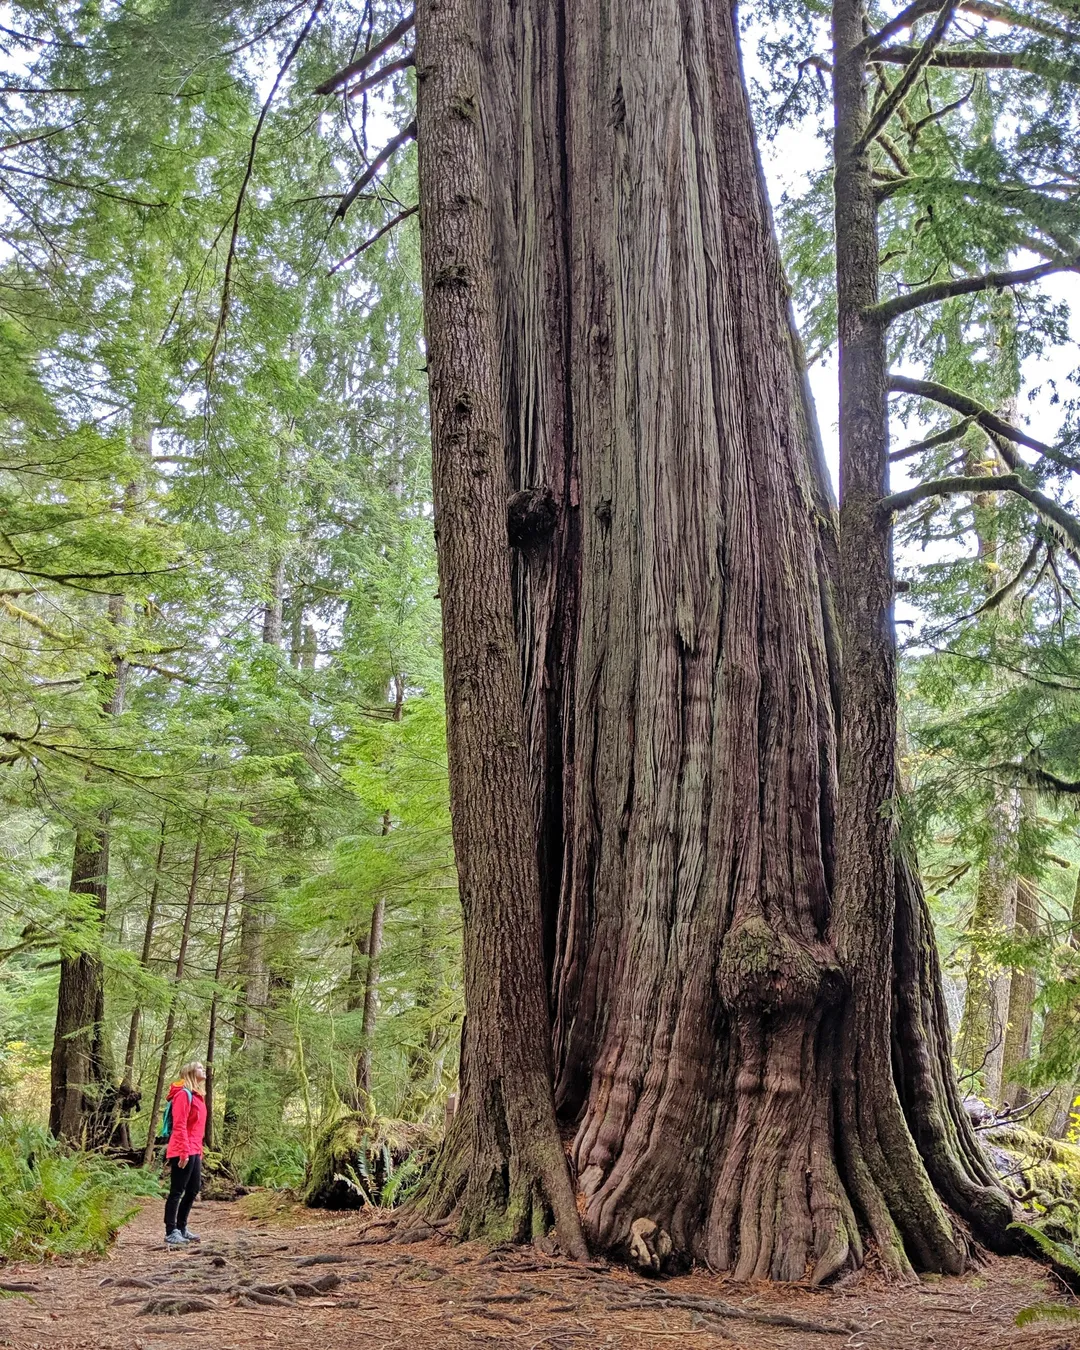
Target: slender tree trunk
(371, 989)
(1022, 990)
(79, 1067)
(502, 1168)
(896, 1163)
(170, 1021)
(371, 1003)
(1060, 1029)
(273, 609)
(144, 959)
(219, 966)
(980, 1040)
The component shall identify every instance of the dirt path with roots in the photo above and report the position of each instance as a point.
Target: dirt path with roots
(271, 1273)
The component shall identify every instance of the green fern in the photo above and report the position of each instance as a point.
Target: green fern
(1061, 1256)
(1041, 1312)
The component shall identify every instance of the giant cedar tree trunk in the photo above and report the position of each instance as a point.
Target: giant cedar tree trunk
(674, 588)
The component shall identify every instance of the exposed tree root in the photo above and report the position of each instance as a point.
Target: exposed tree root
(718, 1308)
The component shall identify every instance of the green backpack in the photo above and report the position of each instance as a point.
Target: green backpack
(167, 1121)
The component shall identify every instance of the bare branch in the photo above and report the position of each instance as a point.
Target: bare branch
(387, 152)
(971, 58)
(882, 115)
(377, 77)
(350, 257)
(905, 19)
(937, 291)
(945, 437)
(367, 59)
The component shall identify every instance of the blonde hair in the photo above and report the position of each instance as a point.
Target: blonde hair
(193, 1076)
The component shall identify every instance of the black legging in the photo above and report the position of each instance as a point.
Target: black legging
(184, 1184)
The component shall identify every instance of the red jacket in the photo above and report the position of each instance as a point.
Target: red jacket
(188, 1123)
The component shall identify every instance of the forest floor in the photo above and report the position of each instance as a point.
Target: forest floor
(268, 1272)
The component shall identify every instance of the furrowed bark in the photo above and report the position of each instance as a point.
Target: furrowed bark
(675, 575)
(652, 389)
(502, 1169)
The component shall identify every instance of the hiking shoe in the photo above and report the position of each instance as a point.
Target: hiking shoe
(175, 1239)
(189, 1236)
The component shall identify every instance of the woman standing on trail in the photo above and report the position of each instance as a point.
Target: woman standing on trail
(185, 1125)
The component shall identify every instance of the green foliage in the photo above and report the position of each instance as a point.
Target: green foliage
(54, 1203)
(278, 1163)
(1062, 1255)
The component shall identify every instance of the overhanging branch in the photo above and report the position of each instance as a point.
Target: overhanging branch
(377, 76)
(949, 487)
(374, 239)
(945, 437)
(905, 19)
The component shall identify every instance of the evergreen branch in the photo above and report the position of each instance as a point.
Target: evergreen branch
(883, 114)
(1050, 782)
(939, 113)
(978, 483)
(163, 670)
(998, 598)
(972, 58)
(391, 67)
(945, 437)
(907, 18)
(98, 191)
(967, 407)
(368, 58)
(249, 168)
(351, 257)
(937, 291)
(406, 134)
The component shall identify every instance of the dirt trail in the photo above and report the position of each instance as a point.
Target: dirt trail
(254, 1276)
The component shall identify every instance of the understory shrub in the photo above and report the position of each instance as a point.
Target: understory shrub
(57, 1203)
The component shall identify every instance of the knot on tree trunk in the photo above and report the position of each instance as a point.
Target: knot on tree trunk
(767, 970)
(530, 518)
